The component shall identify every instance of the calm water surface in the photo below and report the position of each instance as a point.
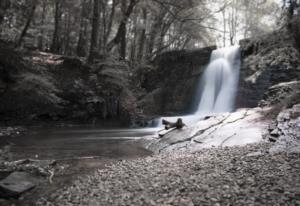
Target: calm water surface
(79, 141)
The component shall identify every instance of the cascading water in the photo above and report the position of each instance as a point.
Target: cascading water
(218, 85)
(219, 82)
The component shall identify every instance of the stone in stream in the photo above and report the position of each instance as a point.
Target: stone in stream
(16, 184)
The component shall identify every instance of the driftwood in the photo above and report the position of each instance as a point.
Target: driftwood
(178, 124)
(171, 126)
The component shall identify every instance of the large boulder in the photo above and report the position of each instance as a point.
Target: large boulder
(16, 184)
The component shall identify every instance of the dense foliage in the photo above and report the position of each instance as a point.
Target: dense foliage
(135, 30)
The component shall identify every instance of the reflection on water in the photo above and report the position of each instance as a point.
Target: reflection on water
(79, 141)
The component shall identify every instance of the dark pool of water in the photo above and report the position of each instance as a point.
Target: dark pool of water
(78, 141)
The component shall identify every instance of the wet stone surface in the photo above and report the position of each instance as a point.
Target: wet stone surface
(16, 184)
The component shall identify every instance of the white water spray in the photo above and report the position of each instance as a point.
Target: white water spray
(218, 85)
(219, 82)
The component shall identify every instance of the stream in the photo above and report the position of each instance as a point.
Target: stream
(80, 141)
(78, 150)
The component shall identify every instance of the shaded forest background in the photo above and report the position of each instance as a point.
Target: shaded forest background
(135, 30)
(99, 60)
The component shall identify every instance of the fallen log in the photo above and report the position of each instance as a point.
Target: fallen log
(164, 132)
(171, 126)
(178, 124)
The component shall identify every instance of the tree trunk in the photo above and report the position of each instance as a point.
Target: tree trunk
(134, 32)
(56, 47)
(123, 32)
(29, 19)
(103, 26)
(122, 28)
(110, 23)
(186, 41)
(224, 27)
(95, 31)
(153, 33)
(233, 23)
(42, 33)
(152, 36)
(164, 30)
(81, 44)
(67, 29)
(141, 50)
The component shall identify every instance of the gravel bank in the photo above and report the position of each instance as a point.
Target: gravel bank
(219, 176)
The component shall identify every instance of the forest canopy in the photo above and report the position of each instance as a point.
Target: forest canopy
(135, 30)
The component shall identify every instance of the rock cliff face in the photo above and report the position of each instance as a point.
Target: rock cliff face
(270, 70)
(172, 82)
(270, 74)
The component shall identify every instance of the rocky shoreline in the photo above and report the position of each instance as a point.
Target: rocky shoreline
(252, 168)
(258, 165)
(185, 172)
(29, 170)
(247, 175)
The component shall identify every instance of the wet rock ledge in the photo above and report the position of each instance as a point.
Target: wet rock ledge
(245, 126)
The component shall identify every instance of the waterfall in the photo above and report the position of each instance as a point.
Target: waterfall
(219, 82)
(217, 87)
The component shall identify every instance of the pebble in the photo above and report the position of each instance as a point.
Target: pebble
(171, 179)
